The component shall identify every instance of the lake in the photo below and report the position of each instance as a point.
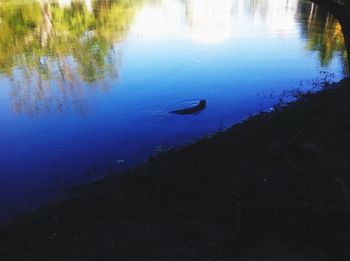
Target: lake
(87, 87)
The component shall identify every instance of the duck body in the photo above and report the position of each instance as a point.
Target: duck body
(192, 110)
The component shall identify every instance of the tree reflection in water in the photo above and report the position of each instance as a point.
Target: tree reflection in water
(55, 52)
(323, 33)
(49, 50)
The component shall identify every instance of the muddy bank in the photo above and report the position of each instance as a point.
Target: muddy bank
(275, 187)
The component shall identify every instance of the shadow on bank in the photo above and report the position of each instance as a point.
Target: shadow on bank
(275, 187)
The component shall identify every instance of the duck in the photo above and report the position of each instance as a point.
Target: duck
(192, 110)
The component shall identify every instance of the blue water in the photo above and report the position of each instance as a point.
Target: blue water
(171, 54)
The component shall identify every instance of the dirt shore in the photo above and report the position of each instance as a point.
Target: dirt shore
(274, 187)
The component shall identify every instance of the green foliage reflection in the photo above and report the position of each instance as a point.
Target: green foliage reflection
(323, 33)
(50, 49)
(51, 45)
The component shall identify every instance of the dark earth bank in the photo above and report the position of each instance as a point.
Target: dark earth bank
(274, 187)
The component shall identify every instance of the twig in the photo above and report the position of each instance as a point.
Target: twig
(238, 219)
(344, 190)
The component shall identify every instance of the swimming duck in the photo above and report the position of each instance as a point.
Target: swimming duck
(192, 110)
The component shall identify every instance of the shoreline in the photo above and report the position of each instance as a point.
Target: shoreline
(273, 187)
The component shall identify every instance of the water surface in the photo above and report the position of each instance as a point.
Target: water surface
(86, 86)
